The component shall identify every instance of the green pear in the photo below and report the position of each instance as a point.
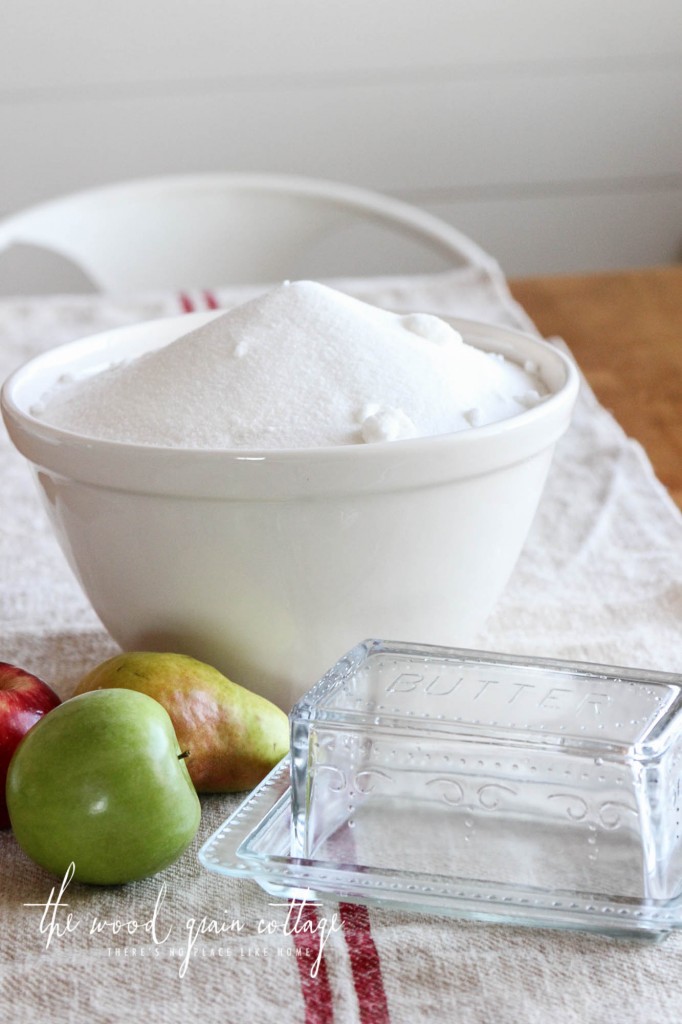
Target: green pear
(234, 736)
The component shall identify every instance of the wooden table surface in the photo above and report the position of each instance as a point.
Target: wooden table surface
(625, 331)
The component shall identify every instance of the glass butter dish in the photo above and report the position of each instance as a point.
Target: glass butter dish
(478, 785)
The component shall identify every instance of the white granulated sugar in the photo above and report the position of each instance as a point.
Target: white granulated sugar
(301, 366)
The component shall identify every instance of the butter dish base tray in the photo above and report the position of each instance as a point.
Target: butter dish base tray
(255, 842)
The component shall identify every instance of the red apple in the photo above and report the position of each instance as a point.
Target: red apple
(24, 699)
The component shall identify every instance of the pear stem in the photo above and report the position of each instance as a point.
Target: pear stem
(183, 755)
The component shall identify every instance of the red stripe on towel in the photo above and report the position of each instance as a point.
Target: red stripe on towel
(362, 952)
(211, 300)
(365, 964)
(186, 303)
(315, 987)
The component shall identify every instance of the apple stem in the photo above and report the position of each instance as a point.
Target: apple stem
(183, 755)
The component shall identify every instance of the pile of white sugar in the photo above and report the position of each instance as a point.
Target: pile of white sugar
(299, 367)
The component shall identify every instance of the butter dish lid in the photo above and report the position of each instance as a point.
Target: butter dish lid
(530, 700)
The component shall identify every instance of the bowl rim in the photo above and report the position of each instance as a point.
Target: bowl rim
(142, 467)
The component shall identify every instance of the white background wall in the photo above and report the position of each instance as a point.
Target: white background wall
(548, 130)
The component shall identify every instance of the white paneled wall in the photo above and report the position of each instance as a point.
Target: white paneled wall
(549, 131)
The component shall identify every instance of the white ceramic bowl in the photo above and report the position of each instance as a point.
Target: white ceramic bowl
(270, 564)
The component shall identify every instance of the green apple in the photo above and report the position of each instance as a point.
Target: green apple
(101, 781)
(236, 737)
